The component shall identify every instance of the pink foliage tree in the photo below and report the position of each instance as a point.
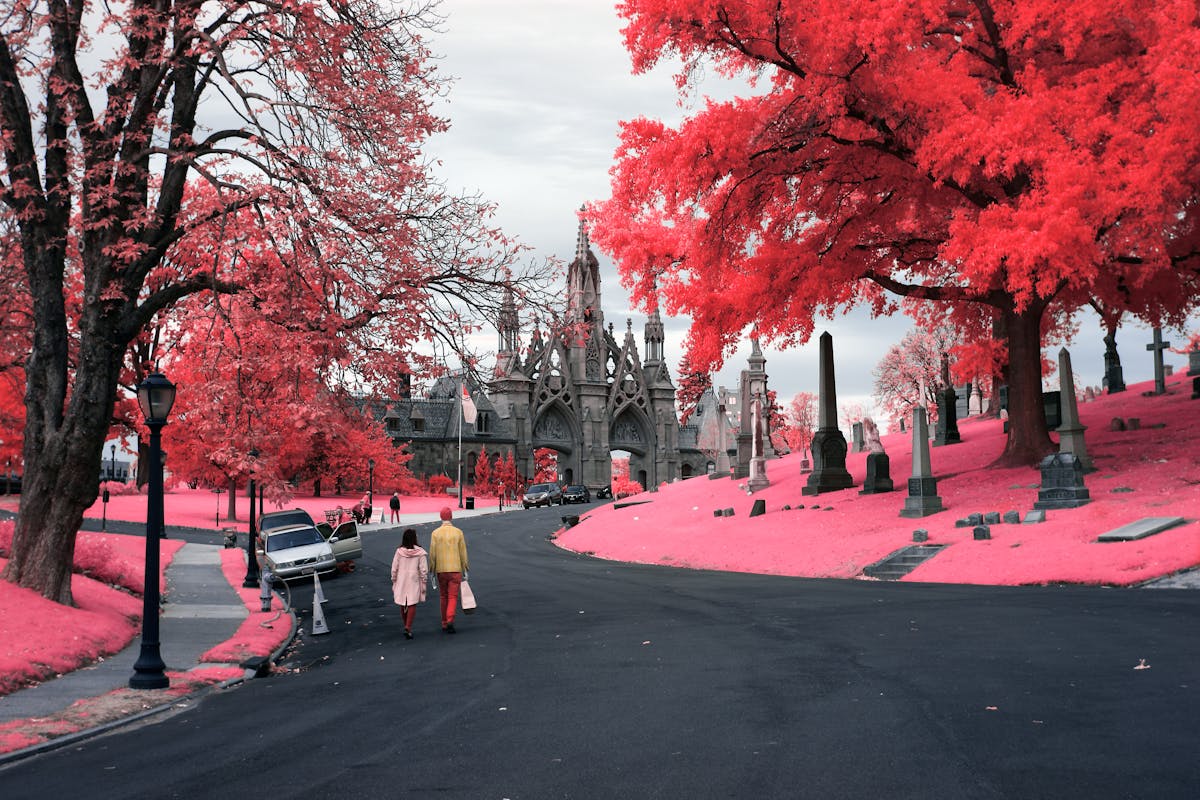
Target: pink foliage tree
(114, 183)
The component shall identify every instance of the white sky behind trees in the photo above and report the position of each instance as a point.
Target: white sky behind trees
(539, 89)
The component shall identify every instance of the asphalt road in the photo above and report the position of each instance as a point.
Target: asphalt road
(581, 678)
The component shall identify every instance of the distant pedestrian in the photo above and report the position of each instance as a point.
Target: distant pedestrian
(408, 578)
(448, 560)
(394, 504)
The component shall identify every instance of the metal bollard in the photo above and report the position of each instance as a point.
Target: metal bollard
(264, 586)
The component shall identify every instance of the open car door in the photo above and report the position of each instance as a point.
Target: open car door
(345, 541)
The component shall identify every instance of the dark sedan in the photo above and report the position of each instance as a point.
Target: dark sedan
(542, 494)
(576, 494)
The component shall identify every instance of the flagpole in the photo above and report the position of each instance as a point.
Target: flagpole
(461, 413)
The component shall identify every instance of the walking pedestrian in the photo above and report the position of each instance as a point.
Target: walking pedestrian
(408, 578)
(448, 560)
(394, 504)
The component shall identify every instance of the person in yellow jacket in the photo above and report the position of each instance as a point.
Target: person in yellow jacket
(448, 560)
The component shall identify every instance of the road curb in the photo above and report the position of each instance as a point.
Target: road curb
(75, 737)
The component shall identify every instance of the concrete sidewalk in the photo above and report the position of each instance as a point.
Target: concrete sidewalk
(200, 611)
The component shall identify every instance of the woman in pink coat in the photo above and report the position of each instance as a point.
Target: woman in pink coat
(408, 578)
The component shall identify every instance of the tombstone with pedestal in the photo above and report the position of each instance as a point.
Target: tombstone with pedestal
(879, 478)
(1070, 430)
(1193, 361)
(922, 497)
(1062, 483)
(828, 444)
(975, 401)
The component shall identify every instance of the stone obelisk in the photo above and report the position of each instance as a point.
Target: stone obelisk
(922, 497)
(1070, 432)
(828, 444)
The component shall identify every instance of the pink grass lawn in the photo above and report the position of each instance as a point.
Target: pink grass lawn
(851, 531)
(42, 639)
(198, 508)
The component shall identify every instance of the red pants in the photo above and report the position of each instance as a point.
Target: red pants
(410, 614)
(448, 583)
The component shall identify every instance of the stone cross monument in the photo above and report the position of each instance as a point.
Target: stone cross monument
(1160, 375)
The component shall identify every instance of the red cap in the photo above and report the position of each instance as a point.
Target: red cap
(447, 514)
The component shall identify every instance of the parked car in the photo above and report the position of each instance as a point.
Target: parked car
(344, 539)
(576, 493)
(542, 494)
(281, 519)
(295, 551)
(605, 493)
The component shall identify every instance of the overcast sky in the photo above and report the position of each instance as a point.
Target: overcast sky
(539, 89)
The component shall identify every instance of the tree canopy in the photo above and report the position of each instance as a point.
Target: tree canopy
(1014, 156)
(148, 148)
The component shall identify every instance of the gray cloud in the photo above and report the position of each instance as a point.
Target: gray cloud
(540, 87)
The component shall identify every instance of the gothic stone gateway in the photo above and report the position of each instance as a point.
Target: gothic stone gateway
(583, 394)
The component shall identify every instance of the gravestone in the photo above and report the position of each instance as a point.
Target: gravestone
(759, 508)
(758, 460)
(871, 436)
(982, 533)
(975, 402)
(962, 403)
(878, 479)
(1196, 388)
(805, 466)
(828, 445)
(946, 431)
(1114, 377)
(1070, 431)
(1193, 361)
(1160, 376)
(1012, 517)
(1089, 394)
(1052, 407)
(922, 497)
(947, 422)
(1140, 529)
(857, 442)
(902, 424)
(991, 518)
(1062, 483)
(1034, 517)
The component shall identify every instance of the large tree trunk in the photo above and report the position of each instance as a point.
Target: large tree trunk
(66, 423)
(1028, 437)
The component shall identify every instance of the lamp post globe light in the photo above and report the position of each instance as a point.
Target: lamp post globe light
(251, 579)
(156, 395)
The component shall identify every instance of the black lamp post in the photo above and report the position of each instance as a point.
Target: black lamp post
(251, 579)
(156, 395)
(370, 486)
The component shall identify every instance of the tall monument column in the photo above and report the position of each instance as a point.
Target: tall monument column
(828, 444)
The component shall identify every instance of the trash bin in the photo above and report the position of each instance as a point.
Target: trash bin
(470, 503)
